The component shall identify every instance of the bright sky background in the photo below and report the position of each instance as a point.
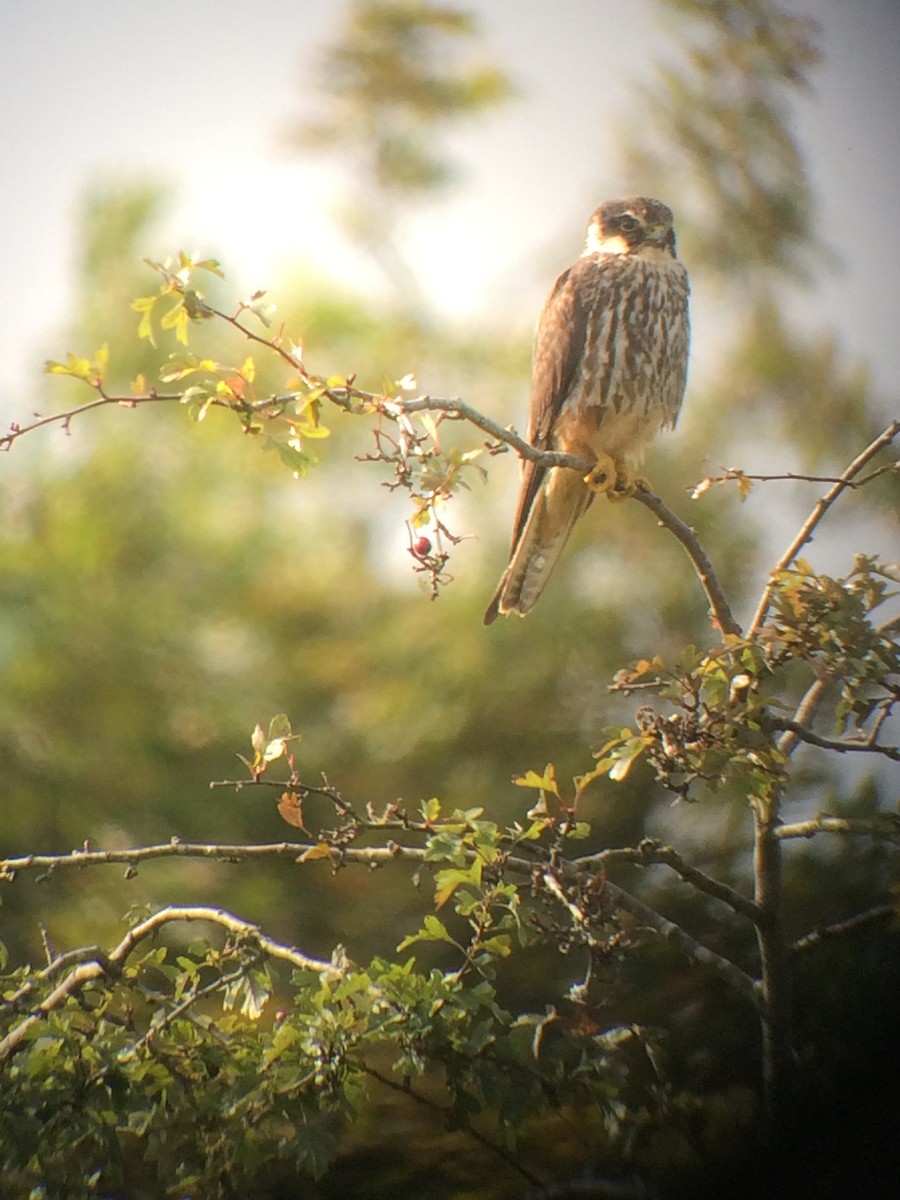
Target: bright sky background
(198, 92)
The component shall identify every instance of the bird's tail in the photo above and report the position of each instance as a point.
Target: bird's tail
(557, 506)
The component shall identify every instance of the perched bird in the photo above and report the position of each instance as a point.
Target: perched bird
(609, 370)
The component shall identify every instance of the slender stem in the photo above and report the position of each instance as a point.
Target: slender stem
(511, 1160)
(884, 826)
(823, 933)
(809, 525)
(841, 745)
(775, 984)
(650, 851)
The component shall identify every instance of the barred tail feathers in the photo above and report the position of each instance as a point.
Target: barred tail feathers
(556, 508)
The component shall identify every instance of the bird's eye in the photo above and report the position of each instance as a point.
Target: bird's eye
(628, 223)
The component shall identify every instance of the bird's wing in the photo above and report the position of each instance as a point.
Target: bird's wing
(558, 350)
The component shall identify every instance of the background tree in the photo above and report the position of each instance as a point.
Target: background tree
(387, 87)
(168, 588)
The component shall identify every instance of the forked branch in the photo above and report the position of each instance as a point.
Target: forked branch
(815, 517)
(100, 964)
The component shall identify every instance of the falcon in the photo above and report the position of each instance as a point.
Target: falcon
(609, 371)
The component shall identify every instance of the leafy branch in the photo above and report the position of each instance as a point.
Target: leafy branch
(430, 473)
(805, 533)
(95, 965)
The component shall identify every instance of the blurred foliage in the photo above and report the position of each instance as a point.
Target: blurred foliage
(167, 587)
(723, 142)
(386, 89)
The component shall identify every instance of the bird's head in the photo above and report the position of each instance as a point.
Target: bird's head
(636, 225)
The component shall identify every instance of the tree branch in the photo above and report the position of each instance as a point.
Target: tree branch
(16, 430)
(373, 856)
(822, 933)
(109, 965)
(883, 825)
(650, 851)
(815, 517)
(804, 714)
(842, 746)
(692, 950)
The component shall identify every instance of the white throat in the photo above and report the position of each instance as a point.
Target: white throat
(617, 245)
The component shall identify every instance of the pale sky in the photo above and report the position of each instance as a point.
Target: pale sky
(198, 92)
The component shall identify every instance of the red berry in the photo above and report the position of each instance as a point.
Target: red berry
(421, 547)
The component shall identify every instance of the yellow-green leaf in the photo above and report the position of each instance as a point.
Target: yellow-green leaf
(320, 850)
(546, 782)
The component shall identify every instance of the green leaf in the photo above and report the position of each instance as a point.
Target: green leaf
(448, 880)
(298, 461)
(431, 810)
(79, 368)
(625, 758)
(145, 306)
(545, 783)
(433, 930)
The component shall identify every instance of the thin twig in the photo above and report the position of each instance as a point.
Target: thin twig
(823, 933)
(511, 1160)
(809, 525)
(65, 418)
(882, 826)
(842, 746)
(734, 474)
(650, 851)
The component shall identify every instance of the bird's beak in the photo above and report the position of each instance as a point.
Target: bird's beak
(659, 235)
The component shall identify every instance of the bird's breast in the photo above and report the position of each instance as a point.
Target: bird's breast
(633, 363)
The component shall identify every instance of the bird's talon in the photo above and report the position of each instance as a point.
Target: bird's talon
(626, 482)
(603, 475)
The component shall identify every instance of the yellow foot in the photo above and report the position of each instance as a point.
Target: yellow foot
(627, 483)
(603, 474)
(614, 478)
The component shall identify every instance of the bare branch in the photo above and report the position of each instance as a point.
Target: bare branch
(823, 933)
(735, 474)
(692, 950)
(65, 419)
(883, 825)
(815, 517)
(804, 714)
(842, 746)
(650, 851)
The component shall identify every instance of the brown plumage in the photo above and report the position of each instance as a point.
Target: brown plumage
(609, 371)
